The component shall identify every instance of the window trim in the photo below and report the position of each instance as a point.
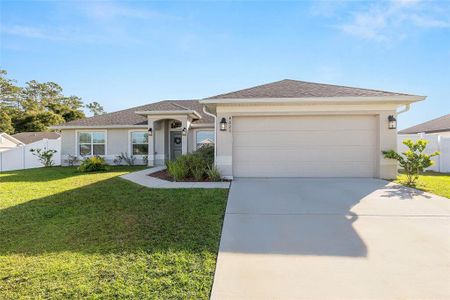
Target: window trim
(195, 136)
(77, 142)
(130, 145)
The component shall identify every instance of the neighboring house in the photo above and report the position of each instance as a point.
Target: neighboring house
(31, 137)
(8, 142)
(437, 133)
(286, 128)
(440, 126)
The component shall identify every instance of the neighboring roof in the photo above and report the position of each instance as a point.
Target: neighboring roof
(11, 138)
(128, 117)
(435, 125)
(288, 88)
(31, 137)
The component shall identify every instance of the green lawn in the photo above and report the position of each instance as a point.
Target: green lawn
(66, 235)
(436, 183)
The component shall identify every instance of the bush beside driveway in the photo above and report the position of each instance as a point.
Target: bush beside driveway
(65, 234)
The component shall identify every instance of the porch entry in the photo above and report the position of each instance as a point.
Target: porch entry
(175, 144)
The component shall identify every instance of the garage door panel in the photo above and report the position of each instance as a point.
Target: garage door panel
(291, 155)
(304, 146)
(297, 138)
(306, 123)
(308, 170)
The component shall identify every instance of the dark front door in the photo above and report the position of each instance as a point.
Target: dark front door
(175, 144)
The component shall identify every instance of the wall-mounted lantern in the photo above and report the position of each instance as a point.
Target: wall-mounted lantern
(392, 122)
(223, 124)
(150, 132)
(183, 132)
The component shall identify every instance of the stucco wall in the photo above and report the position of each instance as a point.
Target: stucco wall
(386, 137)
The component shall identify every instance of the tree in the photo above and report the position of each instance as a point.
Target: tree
(413, 161)
(95, 108)
(35, 106)
(37, 121)
(5, 123)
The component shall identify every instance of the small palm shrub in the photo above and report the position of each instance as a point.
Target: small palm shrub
(413, 161)
(93, 164)
(177, 169)
(213, 173)
(124, 157)
(197, 165)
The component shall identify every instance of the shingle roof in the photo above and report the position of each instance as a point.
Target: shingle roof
(435, 125)
(288, 88)
(128, 117)
(31, 137)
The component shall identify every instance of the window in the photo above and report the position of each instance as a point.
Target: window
(91, 143)
(204, 138)
(139, 143)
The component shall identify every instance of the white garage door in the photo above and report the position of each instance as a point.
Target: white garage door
(304, 146)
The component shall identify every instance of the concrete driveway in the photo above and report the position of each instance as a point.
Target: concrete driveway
(333, 239)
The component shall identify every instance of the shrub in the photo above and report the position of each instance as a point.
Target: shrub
(207, 153)
(177, 169)
(93, 164)
(124, 157)
(197, 166)
(413, 161)
(213, 173)
(44, 156)
(72, 160)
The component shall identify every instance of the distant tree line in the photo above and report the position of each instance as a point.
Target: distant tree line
(36, 106)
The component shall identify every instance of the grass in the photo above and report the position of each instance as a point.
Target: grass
(436, 183)
(68, 235)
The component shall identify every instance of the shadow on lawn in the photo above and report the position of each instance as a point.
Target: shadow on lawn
(114, 216)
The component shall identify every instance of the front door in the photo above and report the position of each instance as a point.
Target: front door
(175, 144)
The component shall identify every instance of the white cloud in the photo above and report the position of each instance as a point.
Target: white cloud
(389, 21)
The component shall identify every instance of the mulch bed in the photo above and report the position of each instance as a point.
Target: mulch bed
(164, 175)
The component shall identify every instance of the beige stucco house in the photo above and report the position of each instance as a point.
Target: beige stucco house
(286, 128)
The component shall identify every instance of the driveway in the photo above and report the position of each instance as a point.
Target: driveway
(333, 239)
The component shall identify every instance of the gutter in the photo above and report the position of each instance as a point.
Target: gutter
(402, 99)
(215, 131)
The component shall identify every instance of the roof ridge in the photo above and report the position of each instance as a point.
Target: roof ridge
(344, 86)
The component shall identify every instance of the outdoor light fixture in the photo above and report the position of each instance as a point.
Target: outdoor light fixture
(183, 132)
(150, 132)
(392, 122)
(223, 124)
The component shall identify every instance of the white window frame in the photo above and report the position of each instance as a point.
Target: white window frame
(195, 136)
(77, 142)
(130, 140)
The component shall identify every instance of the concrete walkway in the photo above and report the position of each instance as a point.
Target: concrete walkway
(142, 178)
(333, 239)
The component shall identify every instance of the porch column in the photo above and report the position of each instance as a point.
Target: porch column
(151, 143)
(184, 137)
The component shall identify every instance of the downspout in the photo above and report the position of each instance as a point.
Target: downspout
(215, 131)
(405, 109)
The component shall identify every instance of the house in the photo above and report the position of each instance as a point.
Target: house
(438, 126)
(8, 142)
(437, 133)
(31, 137)
(286, 128)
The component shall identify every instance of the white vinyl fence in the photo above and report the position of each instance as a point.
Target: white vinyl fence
(436, 143)
(21, 158)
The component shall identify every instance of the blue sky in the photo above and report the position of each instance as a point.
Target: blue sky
(124, 54)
